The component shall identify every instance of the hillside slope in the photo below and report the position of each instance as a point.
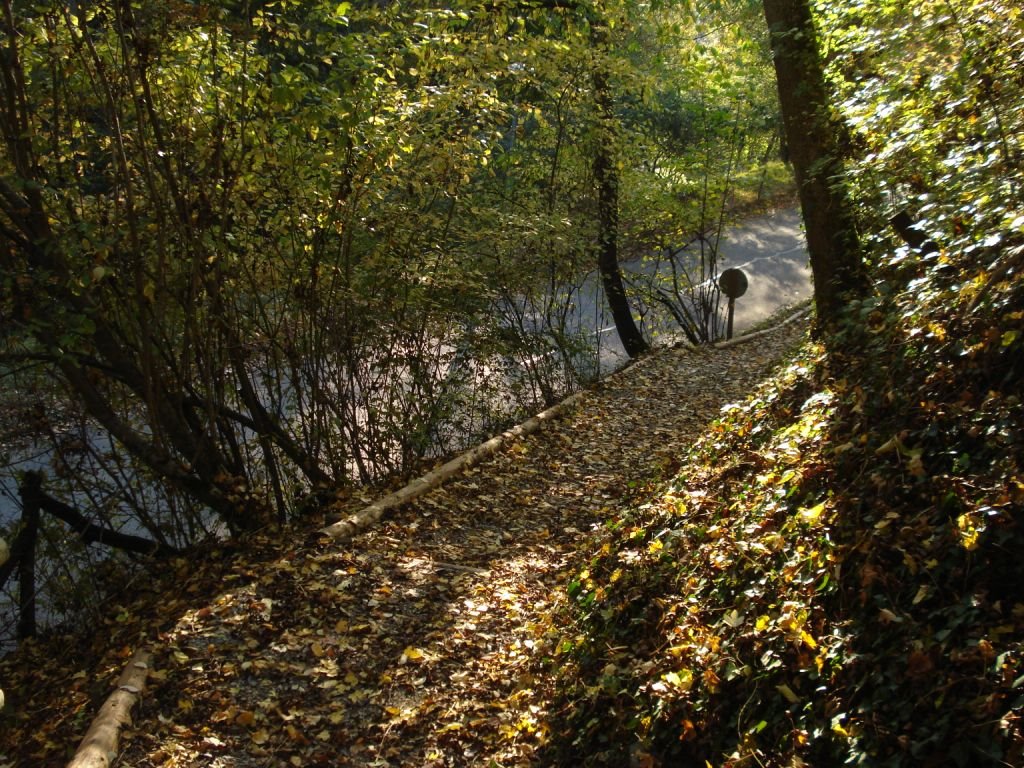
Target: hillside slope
(833, 577)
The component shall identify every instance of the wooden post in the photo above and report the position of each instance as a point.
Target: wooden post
(30, 491)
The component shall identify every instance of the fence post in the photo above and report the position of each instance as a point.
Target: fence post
(31, 493)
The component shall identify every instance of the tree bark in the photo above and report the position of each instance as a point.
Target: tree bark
(832, 241)
(99, 747)
(606, 176)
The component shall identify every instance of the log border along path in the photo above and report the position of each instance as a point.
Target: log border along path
(413, 643)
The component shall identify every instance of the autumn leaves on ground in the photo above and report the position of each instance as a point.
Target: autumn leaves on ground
(421, 642)
(709, 559)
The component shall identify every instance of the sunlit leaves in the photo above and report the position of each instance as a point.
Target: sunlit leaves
(934, 129)
(788, 583)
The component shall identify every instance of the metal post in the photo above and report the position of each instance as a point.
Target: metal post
(733, 283)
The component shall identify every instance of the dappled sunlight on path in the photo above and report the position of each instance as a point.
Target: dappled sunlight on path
(410, 645)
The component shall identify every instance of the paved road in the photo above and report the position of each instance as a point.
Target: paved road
(771, 250)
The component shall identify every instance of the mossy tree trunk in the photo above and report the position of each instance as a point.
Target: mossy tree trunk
(832, 240)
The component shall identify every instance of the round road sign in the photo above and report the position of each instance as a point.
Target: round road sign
(733, 282)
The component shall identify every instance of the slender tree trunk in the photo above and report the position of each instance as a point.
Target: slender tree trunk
(606, 175)
(811, 139)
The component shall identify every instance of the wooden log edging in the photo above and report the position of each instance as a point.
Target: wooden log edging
(99, 745)
(764, 332)
(345, 529)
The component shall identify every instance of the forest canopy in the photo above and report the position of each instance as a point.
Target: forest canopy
(256, 252)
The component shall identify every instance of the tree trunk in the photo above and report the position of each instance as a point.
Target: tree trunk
(832, 241)
(606, 175)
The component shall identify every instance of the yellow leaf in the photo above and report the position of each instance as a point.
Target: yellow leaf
(683, 679)
(889, 446)
(812, 514)
(837, 728)
(411, 654)
(260, 737)
(711, 680)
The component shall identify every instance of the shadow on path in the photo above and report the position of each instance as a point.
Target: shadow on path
(410, 645)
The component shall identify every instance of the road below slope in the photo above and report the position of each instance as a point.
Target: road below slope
(771, 251)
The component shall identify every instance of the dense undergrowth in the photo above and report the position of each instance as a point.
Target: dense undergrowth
(833, 578)
(834, 575)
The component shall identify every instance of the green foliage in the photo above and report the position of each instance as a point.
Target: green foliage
(934, 100)
(321, 230)
(704, 116)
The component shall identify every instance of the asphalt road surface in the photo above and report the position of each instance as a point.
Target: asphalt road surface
(770, 250)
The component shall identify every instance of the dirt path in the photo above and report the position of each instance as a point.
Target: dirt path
(411, 645)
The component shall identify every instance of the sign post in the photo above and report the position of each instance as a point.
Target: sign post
(733, 283)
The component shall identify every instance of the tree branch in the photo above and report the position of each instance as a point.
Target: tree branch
(32, 492)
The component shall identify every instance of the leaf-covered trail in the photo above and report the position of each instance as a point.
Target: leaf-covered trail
(413, 643)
